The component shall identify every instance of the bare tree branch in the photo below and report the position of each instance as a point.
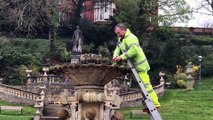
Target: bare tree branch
(205, 4)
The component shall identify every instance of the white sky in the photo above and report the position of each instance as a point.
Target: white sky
(198, 19)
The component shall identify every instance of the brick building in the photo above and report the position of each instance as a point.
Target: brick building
(95, 11)
(99, 12)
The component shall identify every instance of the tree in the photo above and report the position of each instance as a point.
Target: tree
(7, 16)
(30, 18)
(133, 14)
(78, 10)
(73, 10)
(206, 5)
(172, 55)
(204, 8)
(173, 11)
(51, 21)
(140, 14)
(207, 23)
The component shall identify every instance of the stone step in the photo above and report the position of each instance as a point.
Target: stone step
(49, 118)
(52, 106)
(52, 109)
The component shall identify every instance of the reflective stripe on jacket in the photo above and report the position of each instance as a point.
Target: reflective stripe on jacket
(133, 51)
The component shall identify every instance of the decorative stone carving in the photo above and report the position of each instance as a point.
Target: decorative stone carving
(189, 78)
(89, 76)
(28, 76)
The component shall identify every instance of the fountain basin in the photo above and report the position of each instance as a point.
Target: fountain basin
(89, 74)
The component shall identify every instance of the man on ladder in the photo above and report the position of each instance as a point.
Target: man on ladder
(134, 53)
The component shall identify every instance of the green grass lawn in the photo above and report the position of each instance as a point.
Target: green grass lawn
(180, 104)
(177, 104)
(27, 114)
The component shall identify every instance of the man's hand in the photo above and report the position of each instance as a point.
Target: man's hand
(117, 59)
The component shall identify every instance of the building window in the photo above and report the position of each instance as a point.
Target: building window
(103, 10)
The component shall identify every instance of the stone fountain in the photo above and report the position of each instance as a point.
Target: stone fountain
(91, 101)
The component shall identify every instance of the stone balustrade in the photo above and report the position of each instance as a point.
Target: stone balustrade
(131, 96)
(55, 84)
(39, 104)
(135, 95)
(45, 78)
(18, 92)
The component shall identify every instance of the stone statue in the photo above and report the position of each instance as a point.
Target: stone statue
(77, 39)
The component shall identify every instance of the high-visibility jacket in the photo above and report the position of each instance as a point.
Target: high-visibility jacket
(133, 51)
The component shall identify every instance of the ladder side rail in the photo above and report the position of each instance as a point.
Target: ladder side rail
(149, 104)
(145, 95)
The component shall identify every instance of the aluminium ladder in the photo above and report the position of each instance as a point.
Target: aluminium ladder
(153, 112)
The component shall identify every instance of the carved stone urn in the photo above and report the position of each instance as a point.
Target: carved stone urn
(90, 100)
